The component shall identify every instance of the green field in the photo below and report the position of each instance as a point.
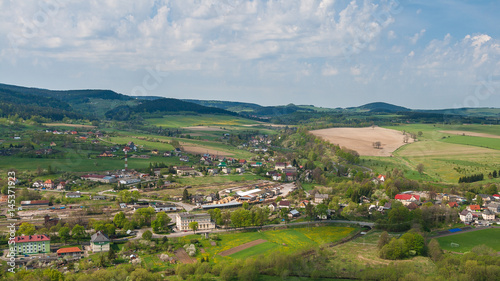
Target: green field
(286, 240)
(162, 146)
(179, 121)
(467, 241)
(474, 141)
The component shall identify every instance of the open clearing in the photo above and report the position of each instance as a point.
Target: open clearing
(362, 139)
(468, 240)
(242, 247)
(197, 149)
(68, 125)
(473, 134)
(203, 128)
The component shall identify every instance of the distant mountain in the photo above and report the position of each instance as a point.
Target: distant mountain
(381, 107)
(175, 105)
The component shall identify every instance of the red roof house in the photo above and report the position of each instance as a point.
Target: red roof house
(407, 197)
(474, 208)
(31, 238)
(71, 251)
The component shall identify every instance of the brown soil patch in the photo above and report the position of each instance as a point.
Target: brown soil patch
(465, 133)
(203, 128)
(183, 256)
(68, 125)
(362, 139)
(242, 247)
(196, 149)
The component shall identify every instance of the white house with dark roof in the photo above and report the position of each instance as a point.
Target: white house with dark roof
(99, 242)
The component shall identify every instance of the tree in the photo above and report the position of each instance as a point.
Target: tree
(469, 196)
(383, 240)
(26, 228)
(147, 235)
(310, 210)
(185, 195)
(110, 229)
(193, 226)
(78, 232)
(64, 234)
(161, 222)
(120, 220)
(135, 195)
(125, 196)
(377, 144)
(111, 254)
(321, 210)
(435, 252)
(479, 200)
(420, 168)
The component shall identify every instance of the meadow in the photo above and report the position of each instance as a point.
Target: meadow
(468, 240)
(286, 240)
(180, 121)
(474, 141)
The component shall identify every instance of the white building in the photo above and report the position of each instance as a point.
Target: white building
(204, 221)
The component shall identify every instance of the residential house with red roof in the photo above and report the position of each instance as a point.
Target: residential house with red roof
(49, 184)
(474, 208)
(71, 251)
(406, 198)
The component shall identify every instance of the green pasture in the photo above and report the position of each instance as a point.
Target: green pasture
(285, 240)
(179, 121)
(218, 179)
(161, 146)
(80, 163)
(474, 141)
(468, 240)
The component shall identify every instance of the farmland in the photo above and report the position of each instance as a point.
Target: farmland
(467, 241)
(362, 139)
(180, 121)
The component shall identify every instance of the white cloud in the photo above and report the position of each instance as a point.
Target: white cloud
(329, 70)
(417, 36)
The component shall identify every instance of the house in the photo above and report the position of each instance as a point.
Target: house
(242, 161)
(4, 198)
(387, 206)
(381, 178)
(155, 151)
(99, 197)
(35, 203)
(53, 144)
(185, 170)
(106, 154)
(452, 204)
(276, 177)
(37, 184)
(240, 170)
(272, 207)
(49, 222)
(184, 158)
(99, 178)
(99, 242)
(203, 220)
(293, 214)
(71, 252)
(474, 208)
(123, 205)
(488, 215)
(466, 216)
(167, 154)
(49, 184)
(73, 194)
(486, 198)
(280, 166)
(494, 207)
(496, 196)
(319, 198)
(61, 185)
(31, 244)
(303, 203)
(284, 204)
(291, 176)
(406, 198)
(164, 207)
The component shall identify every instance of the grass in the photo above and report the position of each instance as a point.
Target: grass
(145, 143)
(285, 240)
(474, 141)
(255, 250)
(469, 240)
(179, 121)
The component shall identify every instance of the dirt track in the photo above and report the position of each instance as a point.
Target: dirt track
(242, 247)
(362, 139)
(183, 256)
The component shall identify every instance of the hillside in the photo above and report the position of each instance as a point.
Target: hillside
(380, 107)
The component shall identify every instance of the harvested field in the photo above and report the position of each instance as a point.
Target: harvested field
(242, 247)
(196, 149)
(362, 139)
(68, 125)
(183, 256)
(473, 134)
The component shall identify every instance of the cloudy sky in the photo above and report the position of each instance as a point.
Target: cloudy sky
(329, 53)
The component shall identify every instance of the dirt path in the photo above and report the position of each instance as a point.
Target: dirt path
(242, 247)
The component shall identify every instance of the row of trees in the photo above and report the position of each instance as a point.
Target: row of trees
(471, 178)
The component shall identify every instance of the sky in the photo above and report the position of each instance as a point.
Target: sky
(419, 54)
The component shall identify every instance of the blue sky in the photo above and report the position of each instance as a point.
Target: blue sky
(329, 53)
